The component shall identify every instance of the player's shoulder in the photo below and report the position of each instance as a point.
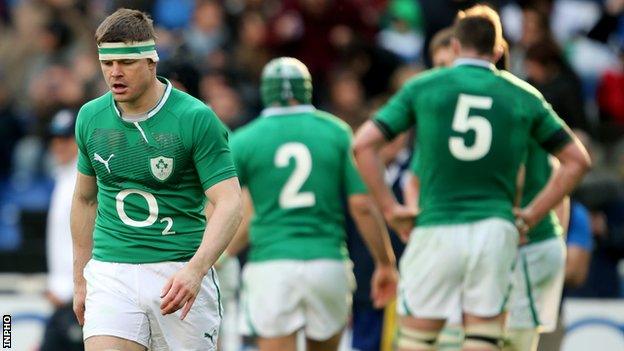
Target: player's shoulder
(431, 80)
(91, 109)
(331, 121)
(184, 105)
(519, 86)
(245, 131)
(427, 77)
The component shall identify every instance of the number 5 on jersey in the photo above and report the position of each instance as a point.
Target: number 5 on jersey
(463, 122)
(290, 197)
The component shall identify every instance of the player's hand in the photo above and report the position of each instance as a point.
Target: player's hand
(524, 223)
(80, 295)
(384, 285)
(181, 291)
(401, 219)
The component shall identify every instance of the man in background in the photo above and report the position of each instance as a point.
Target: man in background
(62, 331)
(296, 166)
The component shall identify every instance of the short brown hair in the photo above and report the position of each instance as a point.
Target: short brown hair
(125, 25)
(479, 28)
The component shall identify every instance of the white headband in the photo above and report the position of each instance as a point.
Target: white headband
(132, 50)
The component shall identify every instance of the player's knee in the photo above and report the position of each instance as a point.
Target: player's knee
(451, 338)
(522, 339)
(412, 339)
(487, 336)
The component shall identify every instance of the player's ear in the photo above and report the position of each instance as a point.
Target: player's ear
(151, 65)
(499, 51)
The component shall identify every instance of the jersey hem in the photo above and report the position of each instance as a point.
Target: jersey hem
(137, 260)
(464, 220)
(286, 258)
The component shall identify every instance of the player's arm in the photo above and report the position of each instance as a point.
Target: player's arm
(411, 191)
(574, 163)
(82, 220)
(241, 238)
(182, 289)
(212, 159)
(563, 208)
(563, 213)
(367, 150)
(225, 197)
(373, 230)
(369, 140)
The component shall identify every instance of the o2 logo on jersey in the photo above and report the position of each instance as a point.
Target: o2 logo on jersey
(152, 209)
(161, 167)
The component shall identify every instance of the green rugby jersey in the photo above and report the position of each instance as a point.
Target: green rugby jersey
(298, 165)
(538, 171)
(151, 176)
(473, 124)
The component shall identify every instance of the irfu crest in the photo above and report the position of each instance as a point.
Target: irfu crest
(161, 167)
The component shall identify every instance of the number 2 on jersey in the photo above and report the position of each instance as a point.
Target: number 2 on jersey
(290, 197)
(463, 122)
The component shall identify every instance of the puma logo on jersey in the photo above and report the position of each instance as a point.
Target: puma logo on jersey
(101, 160)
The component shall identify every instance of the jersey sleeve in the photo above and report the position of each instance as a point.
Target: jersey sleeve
(550, 132)
(397, 115)
(238, 154)
(84, 162)
(211, 152)
(353, 183)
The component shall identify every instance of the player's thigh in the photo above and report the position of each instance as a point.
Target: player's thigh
(281, 343)
(431, 271)
(537, 285)
(488, 276)
(200, 328)
(111, 343)
(111, 305)
(330, 344)
(271, 300)
(328, 287)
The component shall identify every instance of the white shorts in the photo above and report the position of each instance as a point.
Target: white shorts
(469, 263)
(123, 300)
(228, 271)
(282, 296)
(537, 286)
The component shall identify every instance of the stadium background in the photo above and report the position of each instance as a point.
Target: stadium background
(359, 52)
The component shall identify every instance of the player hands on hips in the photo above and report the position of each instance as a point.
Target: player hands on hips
(473, 125)
(150, 156)
(296, 165)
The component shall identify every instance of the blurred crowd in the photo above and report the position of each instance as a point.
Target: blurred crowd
(358, 51)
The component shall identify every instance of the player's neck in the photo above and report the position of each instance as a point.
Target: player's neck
(145, 102)
(473, 54)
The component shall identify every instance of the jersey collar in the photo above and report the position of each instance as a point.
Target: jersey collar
(462, 61)
(154, 110)
(285, 110)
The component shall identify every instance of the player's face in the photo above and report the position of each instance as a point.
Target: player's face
(443, 56)
(128, 79)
